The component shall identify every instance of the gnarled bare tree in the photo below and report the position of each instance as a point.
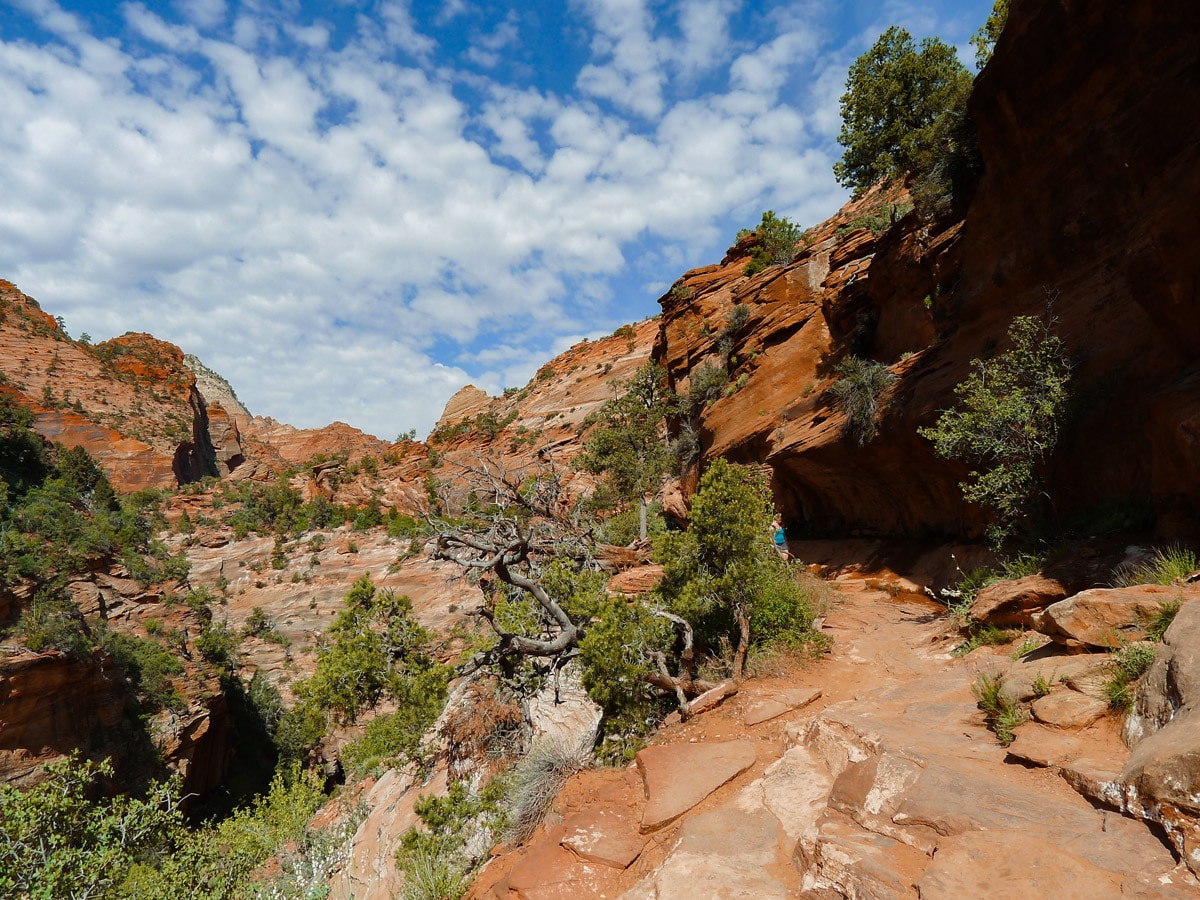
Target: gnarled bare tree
(515, 523)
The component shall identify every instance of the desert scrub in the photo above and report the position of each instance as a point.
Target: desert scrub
(1168, 565)
(1006, 425)
(777, 239)
(535, 782)
(460, 829)
(858, 392)
(1130, 662)
(1003, 714)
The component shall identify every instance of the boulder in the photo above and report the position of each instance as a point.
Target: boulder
(1008, 604)
(1041, 746)
(1172, 683)
(1068, 709)
(1161, 780)
(1104, 617)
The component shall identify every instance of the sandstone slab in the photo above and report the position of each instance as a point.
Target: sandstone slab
(856, 863)
(677, 777)
(1068, 709)
(1050, 666)
(775, 704)
(551, 872)
(605, 835)
(721, 854)
(1041, 746)
(795, 788)
(1013, 603)
(1099, 780)
(1012, 864)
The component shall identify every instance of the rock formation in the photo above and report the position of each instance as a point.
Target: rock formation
(1088, 167)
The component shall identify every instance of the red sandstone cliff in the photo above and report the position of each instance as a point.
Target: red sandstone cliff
(130, 401)
(1091, 177)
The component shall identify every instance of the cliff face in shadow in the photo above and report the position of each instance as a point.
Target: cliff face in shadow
(1091, 177)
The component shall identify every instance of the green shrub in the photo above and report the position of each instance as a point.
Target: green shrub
(1130, 662)
(395, 739)
(1041, 687)
(723, 568)
(57, 840)
(777, 239)
(984, 636)
(894, 111)
(434, 875)
(706, 383)
(149, 666)
(401, 526)
(878, 220)
(1160, 621)
(1007, 424)
(783, 614)
(460, 829)
(857, 393)
(984, 40)
(621, 529)
(53, 622)
(217, 643)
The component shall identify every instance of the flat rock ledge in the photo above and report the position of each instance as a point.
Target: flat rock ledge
(679, 776)
(775, 704)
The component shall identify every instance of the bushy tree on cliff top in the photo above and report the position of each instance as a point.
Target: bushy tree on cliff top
(985, 38)
(898, 95)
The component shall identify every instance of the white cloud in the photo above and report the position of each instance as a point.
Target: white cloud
(342, 234)
(204, 13)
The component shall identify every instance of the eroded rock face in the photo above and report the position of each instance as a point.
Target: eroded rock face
(1089, 185)
(1162, 777)
(130, 402)
(51, 704)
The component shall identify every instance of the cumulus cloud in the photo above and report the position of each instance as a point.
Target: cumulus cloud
(352, 227)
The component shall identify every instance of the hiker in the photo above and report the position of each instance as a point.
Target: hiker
(778, 538)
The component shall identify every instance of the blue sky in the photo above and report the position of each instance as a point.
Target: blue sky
(352, 209)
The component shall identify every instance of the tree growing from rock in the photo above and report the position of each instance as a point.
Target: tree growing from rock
(628, 443)
(984, 40)
(1007, 423)
(777, 239)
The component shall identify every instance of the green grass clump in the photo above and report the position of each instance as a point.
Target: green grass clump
(1002, 712)
(1158, 623)
(984, 636)
(1130, 662)
(1168, 565)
